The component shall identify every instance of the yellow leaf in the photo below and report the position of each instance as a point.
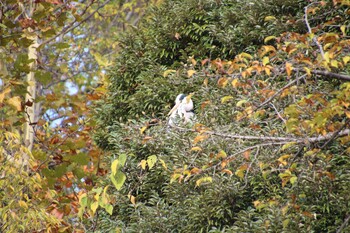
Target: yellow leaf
(225, 99)
(265, 61)
(241, 102)
(132, 199)
(4, 93)
(266, 49)
(196, 148)
(143, 129)
(240, 174)
(327, 57)
(246, 55)
(234, 82)
(23, 204)
(206, 179)
(267, 71)
(143, 164)
(308, 71)
(269, 18)
(190, 73)
(167, 72)
(221, 154)
(346, 59)
(286, 146)
(267, 39)
(16, 102)
(283, 159)
(334, 63)
(289, 68)
(163, 164)
(343, 30)
(205, 82)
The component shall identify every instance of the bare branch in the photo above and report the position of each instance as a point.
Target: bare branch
(278, 113)
(344, 224)
(273, 140)
(280, 91)
(71, 26)
(310, 31)
(331, 75)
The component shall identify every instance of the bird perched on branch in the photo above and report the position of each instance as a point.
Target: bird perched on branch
(182, 111)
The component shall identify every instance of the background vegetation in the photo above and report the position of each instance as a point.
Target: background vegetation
(84, 92)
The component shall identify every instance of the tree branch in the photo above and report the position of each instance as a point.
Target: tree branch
(343, 225)
(272, 140)
(280, 91)
(310, 31)
(331, 75)
(71, 26)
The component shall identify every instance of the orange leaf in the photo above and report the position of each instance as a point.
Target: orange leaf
(195, 170)
(16, 102)
(227, 171)
(222, 82)
(58, 214)
(246, 155)
(289, 68)
(200, 138)
(190, 73)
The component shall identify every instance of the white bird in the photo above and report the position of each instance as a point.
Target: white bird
(182, 110)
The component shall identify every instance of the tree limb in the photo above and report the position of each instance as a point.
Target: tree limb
(331, 75)
(71, 26)
(278, 140)
(280, 91)
(343, 225)
(310, 31)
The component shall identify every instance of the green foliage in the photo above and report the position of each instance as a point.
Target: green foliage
(169, 35)
(268, 151)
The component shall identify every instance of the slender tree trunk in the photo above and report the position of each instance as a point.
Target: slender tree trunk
(31, 108)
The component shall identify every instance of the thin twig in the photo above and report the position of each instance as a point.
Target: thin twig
(71, 26)
(310, 31)
(278, 114)
(280, 91)
(344, 224)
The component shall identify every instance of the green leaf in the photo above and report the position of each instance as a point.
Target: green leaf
(94, 207)
(293, 179)
(43, 76)
(81, 159)
(62, 45)
(83, 200)
(151, 160)
(109, 209)
(118, 179)
(122, 159)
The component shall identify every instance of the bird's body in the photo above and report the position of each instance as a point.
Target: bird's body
(182, 111)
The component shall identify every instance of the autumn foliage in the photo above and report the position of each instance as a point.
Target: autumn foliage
(268, 150)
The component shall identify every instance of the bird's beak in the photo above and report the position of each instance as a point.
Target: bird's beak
(174, 109)
(188, 98)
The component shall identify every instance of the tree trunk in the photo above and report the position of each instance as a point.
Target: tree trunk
(31, 108)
